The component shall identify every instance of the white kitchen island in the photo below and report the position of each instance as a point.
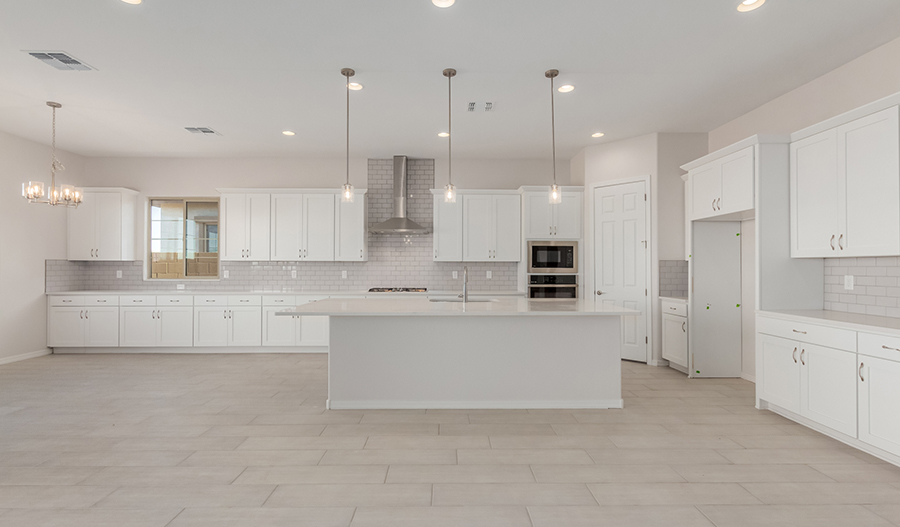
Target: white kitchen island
(508, 353)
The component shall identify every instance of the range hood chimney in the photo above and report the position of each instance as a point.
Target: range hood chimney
(399, 223)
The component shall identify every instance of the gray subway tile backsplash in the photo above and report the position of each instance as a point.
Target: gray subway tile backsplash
(673, 278)
(876, 289)
(394, 261)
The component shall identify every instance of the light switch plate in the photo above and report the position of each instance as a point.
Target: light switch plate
(490, 275)
(293, 273)
(119, 273)
(343, 274)
(180, 287)
(225, 273)
(848, 282)
(455, 275)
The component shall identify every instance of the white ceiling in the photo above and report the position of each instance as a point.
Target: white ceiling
(251, 69)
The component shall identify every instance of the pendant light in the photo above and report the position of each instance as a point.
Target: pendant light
(449, 190)
(347, 190)
(555, 194)
(65, 195)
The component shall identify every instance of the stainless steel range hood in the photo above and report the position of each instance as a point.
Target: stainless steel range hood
(399, 223)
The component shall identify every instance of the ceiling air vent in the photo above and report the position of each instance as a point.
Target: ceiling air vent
(472, 106)
(481, 106)
(60, 60)
(488, 106)
(201, 130)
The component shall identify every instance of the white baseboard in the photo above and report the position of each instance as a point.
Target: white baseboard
(24, 356)
(658, 362)
(749, 377)
(472, 405)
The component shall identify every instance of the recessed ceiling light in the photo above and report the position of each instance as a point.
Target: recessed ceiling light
(597, 134)
(134, 2)
(288, 133)
(355, 86)
(443, 134)
(443, 3)
(749, 5)
(566, 88)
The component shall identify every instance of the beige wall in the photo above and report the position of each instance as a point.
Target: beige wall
(673, 151)
(29, 234)
(861, 81)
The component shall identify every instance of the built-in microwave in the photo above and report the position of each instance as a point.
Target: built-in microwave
(552, 257)
(553, 286)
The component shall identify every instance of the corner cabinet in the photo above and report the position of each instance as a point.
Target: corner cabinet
(545, 221)
(102, 228)
(723, 186)
(845, 189)
(492, 227)
(245, 227)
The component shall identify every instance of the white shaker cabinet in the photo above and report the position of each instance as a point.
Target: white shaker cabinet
(293, 331)
(351, 232)
(448, 229)
(143, 323)
(303, 227)
(211, 325)
(245, 227)
(102, 227)
(845, 189)
(879, 402)
(227, 321)
(674, 332)
(723, 186)
(175, 326)
(778, 371)
(101, 327)
(65, 327)
(544, 221)
(828, 387)
(492, 228)
(138, 326)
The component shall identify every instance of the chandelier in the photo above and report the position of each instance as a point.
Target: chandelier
(66, 195)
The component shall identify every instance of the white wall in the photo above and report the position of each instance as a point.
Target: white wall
(501, 173)
(861, 81)
(674, 150)
(29, 235)
(748, 300)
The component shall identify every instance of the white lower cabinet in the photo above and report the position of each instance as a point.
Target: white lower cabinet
(224, 325)
(101, 327)
(293, 331)
(66, 327)
(175, 326)
(828, 387)
(778, 371)
(879, 402)
(675, 333)
(154, 327)
(244, 326)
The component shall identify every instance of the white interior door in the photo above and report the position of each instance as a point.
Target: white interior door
(620, 260)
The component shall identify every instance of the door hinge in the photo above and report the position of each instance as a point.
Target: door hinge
(646, 340)
(645, 292)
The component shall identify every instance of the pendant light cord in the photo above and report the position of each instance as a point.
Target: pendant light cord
(553, 127)
(53, 160)
(348, 127)
(450, 130)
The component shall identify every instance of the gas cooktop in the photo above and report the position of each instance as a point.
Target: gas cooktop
(398, 290)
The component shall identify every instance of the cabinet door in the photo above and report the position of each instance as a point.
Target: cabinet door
(211, 326)
(879, 403)
(109, 226)
(137, 326)
(448, 230)
(244, 326)
(869, 157)
(318, 227)
(258, 225)
(66, 327)
(351, 232)
(234, 227)
(539, 215)
(287, 220)
(478, 235)
(278, 331)
(101, 327)
(814, 196)
(828, 387)
(706, 189)
(568, 216)
(778, 371)
(737, 182)
(81, 224)
(312, 331)
(674, 344)
(176, 326)
(507, 220)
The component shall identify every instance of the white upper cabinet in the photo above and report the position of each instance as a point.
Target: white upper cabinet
(545, 221)
(845, 189)
(448, 229)
(303, 227)
(102, 227)
(492, 228)
(351, 233)
(245, 227)
(723, 186)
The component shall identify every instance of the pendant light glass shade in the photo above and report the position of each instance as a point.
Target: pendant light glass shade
(347, 189)
(449, 190)
(555, 194)
(450, 193)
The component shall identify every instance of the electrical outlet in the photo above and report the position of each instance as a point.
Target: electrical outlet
(343, 274)
(119, 273)
(180, 287)
(490, 275)
(848, 282)
(225, 273)
(455, 275)
(293, 273)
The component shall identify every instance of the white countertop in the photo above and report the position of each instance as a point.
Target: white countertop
(295, 293)
(840, 319)
(424, 307)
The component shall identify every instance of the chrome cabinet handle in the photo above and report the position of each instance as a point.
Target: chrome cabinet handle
(798, 331)
(719, 203)
(832, 242)
(888, 348)
(714, 204)
(81, 314)
(794, 355)
(86, 313)
(801, 357)
(683, 328)
(841, 242)
(66, 301)
(861, 365)
(673, 309)
(225, 314)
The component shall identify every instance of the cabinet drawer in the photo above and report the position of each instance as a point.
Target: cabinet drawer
(674, 308)
(137, 300)
(279, 300)
(175, 300)
(244, 300)
(210, 300)
(101, 300)
(843, 339)
(66, 301)
(880, 346)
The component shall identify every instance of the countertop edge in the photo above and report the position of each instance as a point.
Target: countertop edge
(851, 321)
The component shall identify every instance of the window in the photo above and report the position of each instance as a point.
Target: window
(184, 238)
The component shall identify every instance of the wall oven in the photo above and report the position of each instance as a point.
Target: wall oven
(553, 257)
(552, 286)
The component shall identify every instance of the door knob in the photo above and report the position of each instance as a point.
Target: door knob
(599, 293)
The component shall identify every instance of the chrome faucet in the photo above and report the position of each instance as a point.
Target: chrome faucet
(465, 293)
